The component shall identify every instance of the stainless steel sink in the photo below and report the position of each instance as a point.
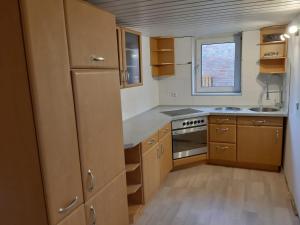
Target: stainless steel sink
(264, 109)
(228, 108)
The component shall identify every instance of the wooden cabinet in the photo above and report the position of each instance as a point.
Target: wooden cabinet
(162, 56)
(222, 133)
(75, 218)
(151, 171)
(130, 57)
(109, 206)
(91, 36)
(99, 124)
(222, 151)
(259, 144)
(51, 92)
(166, 161)
(273, 50)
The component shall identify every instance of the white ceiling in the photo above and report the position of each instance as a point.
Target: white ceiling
(199, 17)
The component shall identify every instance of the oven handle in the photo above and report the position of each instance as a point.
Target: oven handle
(189, 130)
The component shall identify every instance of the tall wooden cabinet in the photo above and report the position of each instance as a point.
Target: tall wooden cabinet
(49, 141)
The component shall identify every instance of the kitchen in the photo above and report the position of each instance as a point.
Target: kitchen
(150, 112)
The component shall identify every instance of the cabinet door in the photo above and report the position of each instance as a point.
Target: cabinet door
(166, 161)
(92, 36)
(151, 172)
(99, 124)
(260, 145)
(76, 218)
(51, 91)
(109, 206)
(132, 58)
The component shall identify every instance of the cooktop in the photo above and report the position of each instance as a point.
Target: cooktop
(180, 112)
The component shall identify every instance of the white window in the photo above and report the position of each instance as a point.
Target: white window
(218, 66)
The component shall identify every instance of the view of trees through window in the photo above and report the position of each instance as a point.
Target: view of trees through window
(217, 65)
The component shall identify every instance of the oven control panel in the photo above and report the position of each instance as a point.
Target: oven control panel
(190, 122)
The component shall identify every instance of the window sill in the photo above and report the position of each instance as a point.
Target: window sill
(216, 94)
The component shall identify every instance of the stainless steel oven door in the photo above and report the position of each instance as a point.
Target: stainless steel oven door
(190, 141)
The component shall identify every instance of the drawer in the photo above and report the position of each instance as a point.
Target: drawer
(222, 151)
(260, 121)
(222, 133)
(222, 119)
(165, 130)
(150, 142)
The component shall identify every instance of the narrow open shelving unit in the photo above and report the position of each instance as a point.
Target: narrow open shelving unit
(162, 56)
(272, 52)
(134, 178)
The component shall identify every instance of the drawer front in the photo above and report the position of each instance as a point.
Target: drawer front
(164, 131)
(260, 121)
(222, 133)
(150, 142)
(222, 119)
(222, 151)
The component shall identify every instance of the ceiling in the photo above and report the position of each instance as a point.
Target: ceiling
(199, 18)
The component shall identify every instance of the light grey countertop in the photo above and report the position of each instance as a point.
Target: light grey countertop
(140, 127)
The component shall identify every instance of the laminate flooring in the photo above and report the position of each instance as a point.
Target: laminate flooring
(215, 195)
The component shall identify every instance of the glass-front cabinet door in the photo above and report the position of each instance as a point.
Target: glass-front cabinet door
(131, 71)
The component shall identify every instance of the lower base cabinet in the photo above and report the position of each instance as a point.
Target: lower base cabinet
(222, 151)
(151, 171)
(75, 218)
(109, 206)
(166, 162)
(259, 145)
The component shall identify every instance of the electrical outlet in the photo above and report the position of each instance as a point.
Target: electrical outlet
(172, 94)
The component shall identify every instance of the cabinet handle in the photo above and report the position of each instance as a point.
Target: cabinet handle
(70, 205)
(222, 147)
(224, 130)
(152, 141)
(158, 153)
(277, 136)
(93, 213)
(92, 184)
(166, 130)
(97, 58)
(162, 150)
(258, 122)
(222, 120)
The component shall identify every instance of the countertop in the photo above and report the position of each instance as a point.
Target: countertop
(140, 127)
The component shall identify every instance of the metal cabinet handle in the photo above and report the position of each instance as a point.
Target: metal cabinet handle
(258, 122)
(70, 205)
(166, 130)
(93, 213)
(222, 129)
(277, 136)
(162, 150)
(92, 183)
(152, 141)
(222, 147)
(97, 58)
(223, 120)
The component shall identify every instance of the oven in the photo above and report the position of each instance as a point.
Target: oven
(189, 137)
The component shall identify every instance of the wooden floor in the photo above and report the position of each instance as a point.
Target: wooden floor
(213, 195)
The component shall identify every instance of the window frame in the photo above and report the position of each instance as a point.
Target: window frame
(236, 90)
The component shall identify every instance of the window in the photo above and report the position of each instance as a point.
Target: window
(218, 66)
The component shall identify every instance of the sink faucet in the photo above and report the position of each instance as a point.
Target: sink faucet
(267, 92)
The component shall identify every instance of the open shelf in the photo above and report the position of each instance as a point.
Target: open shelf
(134, 212)
(133, 188)
(163, 50)
(272, 43)
(272, 58)
(162, 64)
(131, 167)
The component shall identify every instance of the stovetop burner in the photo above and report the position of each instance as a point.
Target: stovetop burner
(180, 112)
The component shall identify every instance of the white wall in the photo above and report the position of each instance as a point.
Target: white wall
(292, 145)
(139, 99)
(181, 86)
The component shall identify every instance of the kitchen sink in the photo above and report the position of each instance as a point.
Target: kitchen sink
(228, 108)
(264, 109)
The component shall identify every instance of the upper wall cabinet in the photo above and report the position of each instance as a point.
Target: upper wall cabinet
(273, 50)
(162, 56)
(91, 36)
(130, 57)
